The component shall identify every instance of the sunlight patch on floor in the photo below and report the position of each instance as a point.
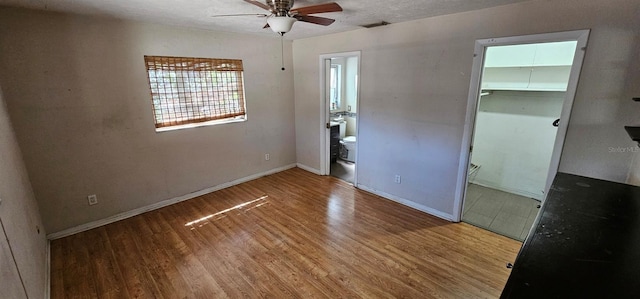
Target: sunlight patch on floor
(205, 218)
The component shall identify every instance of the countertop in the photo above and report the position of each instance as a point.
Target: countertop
(585, 243)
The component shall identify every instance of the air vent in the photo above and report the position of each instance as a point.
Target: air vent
(383, 23)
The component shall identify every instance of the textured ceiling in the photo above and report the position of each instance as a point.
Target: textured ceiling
(198, 13)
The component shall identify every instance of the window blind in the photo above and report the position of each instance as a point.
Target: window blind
(188, 90)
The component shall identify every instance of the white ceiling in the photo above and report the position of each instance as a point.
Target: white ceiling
(198, 13)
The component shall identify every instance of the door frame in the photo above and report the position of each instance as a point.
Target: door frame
(325, 134)
(581, 36)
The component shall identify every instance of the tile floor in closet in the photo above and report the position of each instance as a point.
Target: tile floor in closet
(500, 212)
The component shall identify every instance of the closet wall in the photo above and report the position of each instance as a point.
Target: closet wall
(523, 93)
(23, 245)
(514, 140)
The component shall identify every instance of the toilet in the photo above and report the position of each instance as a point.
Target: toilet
(348, 150)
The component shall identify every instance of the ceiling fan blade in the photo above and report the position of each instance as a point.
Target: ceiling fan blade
(315, 20)
(259, 4)
(261, 15)
(320, 8)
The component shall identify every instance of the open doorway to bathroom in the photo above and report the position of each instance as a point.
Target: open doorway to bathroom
(340, 97)
(525, 91)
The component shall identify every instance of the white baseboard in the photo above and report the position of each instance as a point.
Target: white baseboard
(161, 204)
(47, 273)
(309, 169)
(408, 203)
(527, 194)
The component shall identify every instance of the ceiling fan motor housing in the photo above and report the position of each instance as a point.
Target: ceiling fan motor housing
(281, 7)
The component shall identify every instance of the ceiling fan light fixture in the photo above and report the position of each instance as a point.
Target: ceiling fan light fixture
(280, 25)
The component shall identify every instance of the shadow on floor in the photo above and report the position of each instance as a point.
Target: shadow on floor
(343, 170)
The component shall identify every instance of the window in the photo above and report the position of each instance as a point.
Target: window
(335, 92)
(189, 92)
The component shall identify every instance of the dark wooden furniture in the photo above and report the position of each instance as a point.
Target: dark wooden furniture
(634, 133)
(335, 143)
(585, 243)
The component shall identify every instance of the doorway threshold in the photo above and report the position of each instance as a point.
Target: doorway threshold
(343, 170)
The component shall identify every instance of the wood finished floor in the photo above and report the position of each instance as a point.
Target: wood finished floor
(288, 235)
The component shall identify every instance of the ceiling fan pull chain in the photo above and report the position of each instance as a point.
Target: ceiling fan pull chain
(282, 49)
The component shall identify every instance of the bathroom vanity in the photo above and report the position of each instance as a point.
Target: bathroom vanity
(335, 142)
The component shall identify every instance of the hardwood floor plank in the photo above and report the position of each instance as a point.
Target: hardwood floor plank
(57, 258)
(162, 266)
(288, 235)
(138, 281)
(201, 283)
(297, 231)
(260, 245)
(208, 253)
(78, 269)
(108, 278)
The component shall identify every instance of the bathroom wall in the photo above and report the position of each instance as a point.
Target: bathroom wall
(25, 239)
(351, 88)
(77, 92)
(514, 139)
(415, 83)
(351, 84)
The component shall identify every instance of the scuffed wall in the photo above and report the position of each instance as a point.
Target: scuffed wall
(77, 92)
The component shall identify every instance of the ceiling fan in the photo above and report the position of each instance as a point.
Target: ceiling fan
(283, 15)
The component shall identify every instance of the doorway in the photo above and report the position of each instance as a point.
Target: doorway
(339, 86)
(523, 89)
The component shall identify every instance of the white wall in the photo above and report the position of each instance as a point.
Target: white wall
(351, 87)
(21, 219)
(514, 139)
(415, 81)
(634, 171)
(77, 92)
(351, 84)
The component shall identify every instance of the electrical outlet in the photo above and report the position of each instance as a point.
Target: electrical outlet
(267, 157)
(397, 179)
(93, 199)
